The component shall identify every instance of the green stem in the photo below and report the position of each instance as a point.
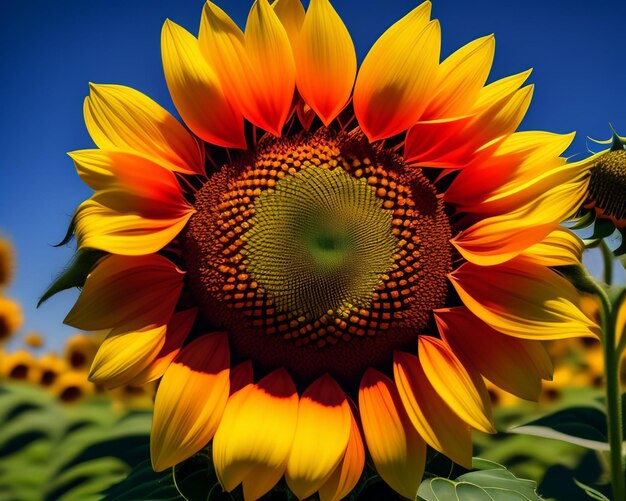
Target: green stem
(613, 398)
(607, 261)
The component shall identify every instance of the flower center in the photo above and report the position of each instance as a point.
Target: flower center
(319, 254)
(608, 185)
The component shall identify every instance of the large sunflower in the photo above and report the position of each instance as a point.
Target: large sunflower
(325, 266)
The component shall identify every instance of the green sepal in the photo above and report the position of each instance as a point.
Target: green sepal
(620, 252)
(489, 482)
(579, 277)
(583, 221)
(74, 274)
(69, 234)
(591, 492)
(602, 229)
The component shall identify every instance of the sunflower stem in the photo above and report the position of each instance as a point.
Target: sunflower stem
(607, 262)
(613, 398)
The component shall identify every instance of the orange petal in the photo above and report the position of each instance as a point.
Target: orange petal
(325, 61)
(460, 79)
(466, 395)
(100, 227)
(177, 330)
(398, 75)
(561, 247)
(349, 470)
(122, 291)
(321, 437)
(515, 365)
(121, 118)
(123, 355)
(435, 421)
(398, 452)
(190, 400)
(523, 299)
(240, 376)
(139, 185)
(254, 439)
(196, 90)
(291, 15)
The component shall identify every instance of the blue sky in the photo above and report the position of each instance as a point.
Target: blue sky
(49, 51)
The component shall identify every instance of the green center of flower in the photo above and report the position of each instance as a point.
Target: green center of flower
(319, 243)
(319, 254)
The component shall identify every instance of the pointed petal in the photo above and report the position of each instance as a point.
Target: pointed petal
(196, 90)
(190, 400)
(121, 292)
(561, 247)
(513, 364)
(140, 184)
(398, 75)
(398, 452)
(460, 79)
(254, 439)
(464, 394)
(325, 61)
(100, 227)
(496, 91)
(177, 330)
(317, 449)
(523, 299)
(124, 354)
(348, 472)
(434, 420)
(121, 118)
(291, 15)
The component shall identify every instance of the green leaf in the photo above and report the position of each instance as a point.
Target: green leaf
(143, 483)
(584, 426)
(491, 482)
(591, 492)
(75, 274)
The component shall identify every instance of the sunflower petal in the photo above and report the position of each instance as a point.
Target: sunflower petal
(190, 400)
(398, 452)
(291, 15)
(452, 381)
(325, 61)
(121, 118)
(561, 247)
(196, 90)
(240, 376)
(500, 89)
(398, 75)
(103, 228)
(523, 299)
(317, 449)
(177, 330)
(515, 365)
(460, 79)
(254, 439)
(123, 355)
(349, 470)
(121, 292)
(434, 420)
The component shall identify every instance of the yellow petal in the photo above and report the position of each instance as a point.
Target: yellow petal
(515, 365)
(177, 330)
(452, 381)
(620, 320)
(123, 355)
(249, 65)
(322, 433)
(325, 61)
(398, 75)
(240, 376)
(398, 452)
(561, 247)
(460, 79)
(196, 90)
(349, 470)
(190, 400)
(291, 15)
(121, 118)
(434, 420)
(122, 291)
(254, 439)
(500, 89)
(523, 299)
(499, 238)
(99, 227)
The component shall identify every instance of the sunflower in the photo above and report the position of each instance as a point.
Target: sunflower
(325, 264)
(6, 262)
(11, 318)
